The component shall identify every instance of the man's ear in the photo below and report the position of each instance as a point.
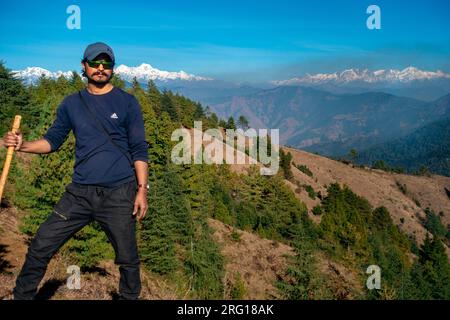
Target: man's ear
(83, 69)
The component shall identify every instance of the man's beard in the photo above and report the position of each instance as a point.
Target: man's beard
(101, 81)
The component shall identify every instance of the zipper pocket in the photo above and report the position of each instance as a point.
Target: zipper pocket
(60, 214)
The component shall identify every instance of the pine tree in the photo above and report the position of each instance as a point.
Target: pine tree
(353, 154)
(199, 113)
(231, 124)
(117, 82)
(285, 164)
(243, 122)
(168, 106)
(76, 81)
(15, 100)
(154, 96)
(435, 268)
(213, 120)
(301, 280)
(204, 263)
(223, 124)
(167, 225)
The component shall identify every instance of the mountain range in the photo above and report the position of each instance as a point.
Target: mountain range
(406, 75)
(332, 124)
(142, 73)
(410, 82)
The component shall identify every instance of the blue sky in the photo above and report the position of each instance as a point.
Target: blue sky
(242, 40)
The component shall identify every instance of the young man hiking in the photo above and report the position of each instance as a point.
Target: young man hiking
(109, 182)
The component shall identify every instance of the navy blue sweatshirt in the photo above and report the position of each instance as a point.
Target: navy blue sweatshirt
(97, 160)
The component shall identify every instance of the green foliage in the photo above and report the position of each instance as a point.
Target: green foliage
(168, 224)
(401, 187)
(317, 210)
(266, 205)
(15, 100)
(89, 246)
(389, 249)
(285, 164)
(301, 280)
(243, 122)
(423, 171)
(235, 236)
(238, 290)
(303, 168)
(344, 220)
(168, 106)
(353, 154)
(311, 193)
(231, 124)
(431, 273)
(214, 121)
(433, 224)
(176, 235)
(380, 165)
(205, 264)
(350, 228)
(422, 151)
(222, 123)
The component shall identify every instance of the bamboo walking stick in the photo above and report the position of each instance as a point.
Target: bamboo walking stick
(9, 156)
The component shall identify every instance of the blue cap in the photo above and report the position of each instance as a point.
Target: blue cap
(94, 49)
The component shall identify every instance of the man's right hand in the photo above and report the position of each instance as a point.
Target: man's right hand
(13, 140)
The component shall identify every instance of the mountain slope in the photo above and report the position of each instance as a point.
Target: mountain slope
(428, 146)
(328, 123)
(379, 187)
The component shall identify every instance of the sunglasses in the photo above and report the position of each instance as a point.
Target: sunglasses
(97, 63)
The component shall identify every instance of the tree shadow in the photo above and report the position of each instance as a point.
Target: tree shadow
(99, 270)
(49, 289)
(5, 203)
(115, 295)
(4, 264)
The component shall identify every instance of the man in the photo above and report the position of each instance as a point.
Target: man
(111, 154)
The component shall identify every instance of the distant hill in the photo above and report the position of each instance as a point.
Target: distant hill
(332, 124)
(428, 146)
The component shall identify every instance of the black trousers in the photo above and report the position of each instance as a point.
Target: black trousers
(81, 204)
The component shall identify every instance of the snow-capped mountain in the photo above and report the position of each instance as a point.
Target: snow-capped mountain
(146, 72)
(406, 75)
(32, 74)
(142, 73)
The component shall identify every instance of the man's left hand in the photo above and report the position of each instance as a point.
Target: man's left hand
(140, 205)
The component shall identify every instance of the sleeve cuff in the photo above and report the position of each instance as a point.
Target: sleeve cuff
(52, 144)
(140, 159)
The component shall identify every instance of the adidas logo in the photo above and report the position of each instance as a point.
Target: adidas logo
(114, 116)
